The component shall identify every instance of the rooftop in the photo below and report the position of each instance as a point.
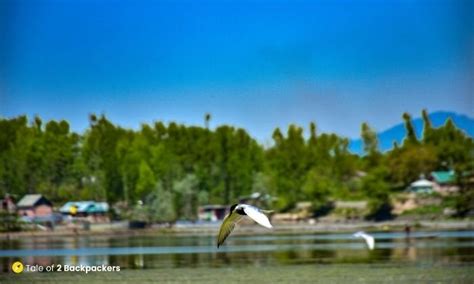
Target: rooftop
(422, 183)
(444, 176)
(29, 200)
(85, 206)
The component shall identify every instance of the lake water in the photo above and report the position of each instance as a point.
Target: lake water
(175, 251)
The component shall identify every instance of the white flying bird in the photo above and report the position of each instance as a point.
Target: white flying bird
(368, 239)
(237, 212)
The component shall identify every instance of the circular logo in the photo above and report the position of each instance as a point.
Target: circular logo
(17, 267)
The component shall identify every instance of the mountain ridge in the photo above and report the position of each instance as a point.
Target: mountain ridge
(397, 132)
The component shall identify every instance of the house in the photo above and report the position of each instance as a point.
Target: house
(8, 205)
(422, 186)
(444, 182)
(34, 205)
(212, 212)
(443, 177)
(96, 211)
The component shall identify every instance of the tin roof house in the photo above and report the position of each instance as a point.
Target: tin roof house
(34, 205)
(84, 208)
(92, 211)
(444, 182)
(443, 177)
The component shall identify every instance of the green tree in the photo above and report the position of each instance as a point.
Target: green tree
(100, 155)
(146, 181)
(59, 154)
(177, 167)
(410, 130)
(160, 206)
(371, 146)
(207, 120)
(288, 165)
(15, 139)
(377, 188)
(318, 186)
(427, 126)
(406, 164)
(452, 146)
(186, 197)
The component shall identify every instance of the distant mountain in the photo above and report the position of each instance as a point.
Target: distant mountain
(397, 132)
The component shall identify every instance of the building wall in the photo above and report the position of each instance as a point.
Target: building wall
(26, 212)
(43, 210)
(446, 189)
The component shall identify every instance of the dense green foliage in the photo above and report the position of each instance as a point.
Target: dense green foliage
(176, 168)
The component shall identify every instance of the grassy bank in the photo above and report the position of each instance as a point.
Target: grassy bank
(347, 273)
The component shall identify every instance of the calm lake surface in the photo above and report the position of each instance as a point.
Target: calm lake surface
(175, 251)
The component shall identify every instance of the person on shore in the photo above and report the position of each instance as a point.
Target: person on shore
(407, 231)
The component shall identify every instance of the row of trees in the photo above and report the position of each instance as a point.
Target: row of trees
(176, 167)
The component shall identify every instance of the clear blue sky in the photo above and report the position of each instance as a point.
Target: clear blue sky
(253, 64)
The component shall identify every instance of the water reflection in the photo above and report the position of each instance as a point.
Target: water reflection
(142, 252)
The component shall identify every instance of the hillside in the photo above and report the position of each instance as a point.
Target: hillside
(397, 132)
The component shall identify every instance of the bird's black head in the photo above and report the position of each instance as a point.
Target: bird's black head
(233, 207)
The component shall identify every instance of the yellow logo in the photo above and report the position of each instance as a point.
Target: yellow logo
(17, 267)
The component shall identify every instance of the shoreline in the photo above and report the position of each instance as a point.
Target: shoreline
(279, 228)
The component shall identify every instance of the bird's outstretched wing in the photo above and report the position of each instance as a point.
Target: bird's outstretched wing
(227, 227)
(368, 239)
(256, 214)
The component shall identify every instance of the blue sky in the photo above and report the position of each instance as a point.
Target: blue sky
(253, 64)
